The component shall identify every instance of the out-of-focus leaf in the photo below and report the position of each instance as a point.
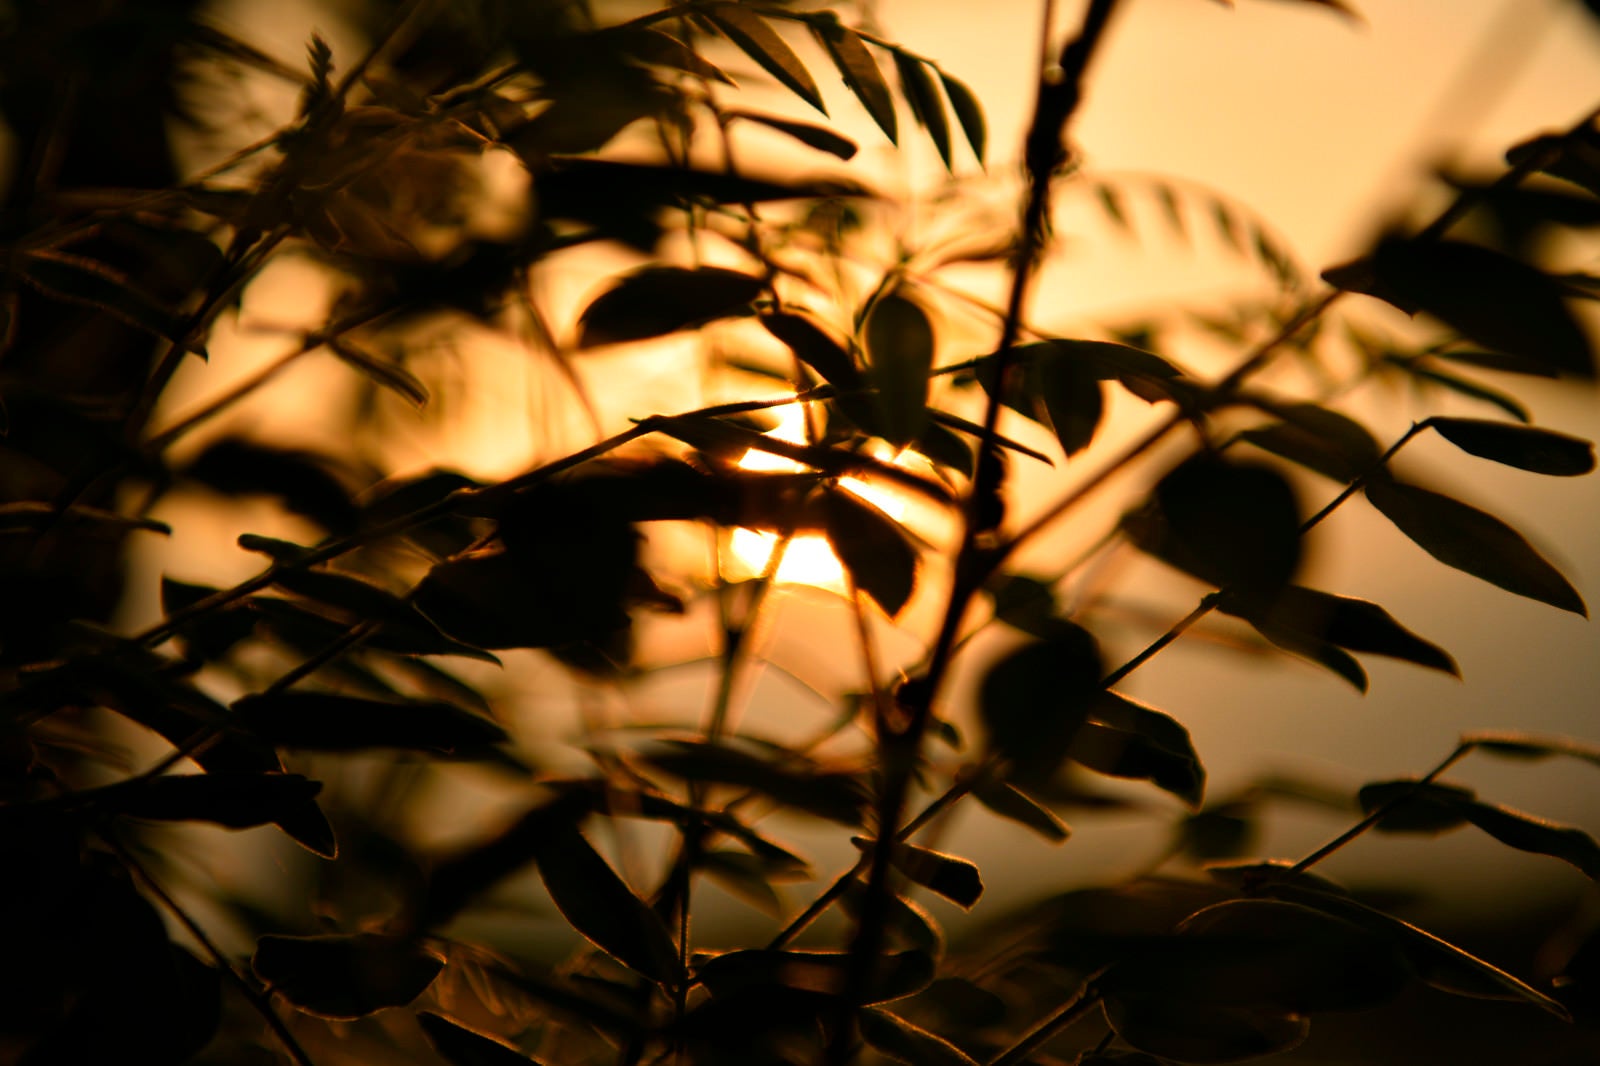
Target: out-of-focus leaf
(235, 800)
(658, 300)
(462, 1046)
(1573, 158)
(1526, 832)
(380, 371)
(1069, 393)
(899, 343)
(946, 447)
(1489, 298)
(1013, 804)
(1463, 387)
(602, 907)
(813, 347)
(301, 480)
(1418, 808)
(1186, 1032)
(969, 112)
(1033, 700)
(819, 137)
(904, 919)
(918, 87)
(956, 879)
(880, 558)
(742, 876)
(752, 36)
(661, 49)
(1531, 746)
(1249, 876)
(1024, 602)
(1526, 447)
(1313, 649)
(345, 976)
(1508, 364)
(1226, 831)
(80, 280)
(838, 797)
(325, 721)
(1436, 962)
(1467, 539)
(37, 516)
(901, 974)
(1349, 623)
(525, 599)
(904, 1042)
(858, 69)
(1123, 738)
(1330, 443)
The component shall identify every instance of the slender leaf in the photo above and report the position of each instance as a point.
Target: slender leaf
(235, 800)
(1072, 401)
(1185, 1032)
(838, 797)
(904, 1042)
(1526, 832)
(658, 300)
(824, 972)
(380, 371)
(602, 907)
(858, 69)
(819, 137)
(1530, 746)
(927, 107)
(874, 549)
(324, 721)
(957, 880)
(1525, 447)
(899, 343)
(969, 112)
(462, 1046)
(752, 36)
(1467, 539)
(1124, 738)
(1349, 623)
(1414, 807)
(815, 348)
(1013, 804)
(81, 280)
(345, 976)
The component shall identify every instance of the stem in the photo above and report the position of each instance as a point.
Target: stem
(255, 998)
(1071, 1013)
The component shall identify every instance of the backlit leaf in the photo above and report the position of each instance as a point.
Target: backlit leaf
(1236, 525)
(814, 347)
(380, 371)
(917, 84)
(874, 549)
(904, 1042)
(345, 976)
(1471, 389)
(81, 280)
(1328, 442)
(1013, 804)
(956, 879)
(794, 783)
(1033, 700)
(462, 1046)
(658, 300)
(1489, 298)
(969, 112)
(752, 36)
(822, 972)
(1069, 392)
(1526, 447)
(819, 137)
(1466, 538)
(1526, 832)
(1349, 623)
(1192, 1033)
(858, 69)
(1530, 746)
(235, 800)
(1413, 807)
(899, 343)
(1127, 739)
(602, 907)
(325, 721)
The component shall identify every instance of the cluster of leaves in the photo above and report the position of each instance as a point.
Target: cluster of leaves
(348, 660)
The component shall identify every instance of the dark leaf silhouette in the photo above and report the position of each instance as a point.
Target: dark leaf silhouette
(236, 800)
(859, 70)
(382, 372)
(874, 549)
(1185, 1032)
(1013, 804)
(462, 1046)
(1413, 807)
(1489, 298)
(1530, 746)
(324, 721)
(908, 1043)
(1526, 447)
(1526, 832)
(956, 879)
(751, 34)
(1330, 443)
(824, 972)
(835, 796)
(899, 342)
(658, 300)
(301, 480)
(819, 137)
(345, 976)
(81, 280)
(1123, 738)
(1471, 389)
(968, 112)
(815, 348)
(1466, 538)
(1033, 700)
(1343, 621)
(1069, 393)
(602, 907)
(927, 107)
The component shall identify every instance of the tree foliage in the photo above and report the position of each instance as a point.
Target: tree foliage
(371, 671)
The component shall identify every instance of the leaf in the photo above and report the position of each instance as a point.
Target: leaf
(235, 800)
(819, 137)
(743, 876)
(658, 300)
(1314, 649)
(380, 371)
(602, 907)
(80, 280)
(1525, 447)
(1471, 389)
(752, 36)
(1467, 539)
(1416, 807)
(838, 797)
(1127, 739)
(858, 69)
(957, 880)
(36, 516)
(664, 50)
(1508, 364)
(874, 549)
(324, 721)
(813, 347)
(1013, 804)
(918, 87)
(1204, 1034)
(1528, 833)
(1489, 298)
(1033, 700)
(968, 112)
(302, 481)
(1356, 625)
(1069, 393)
(462, 1046)
(899, 343)
(1233, 524)
(345, 976)
(1531, 746)
(1326, 441)
(904, 1042)
(823, 972)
